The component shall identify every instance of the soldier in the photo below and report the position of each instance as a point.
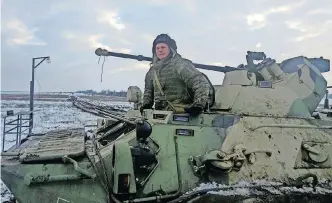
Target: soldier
(173, 82)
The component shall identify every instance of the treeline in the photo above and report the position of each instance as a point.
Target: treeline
(104, 92)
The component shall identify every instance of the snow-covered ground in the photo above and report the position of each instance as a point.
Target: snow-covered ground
(48, 116)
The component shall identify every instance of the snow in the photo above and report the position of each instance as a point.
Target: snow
(6, 196)
(48, 116)
(241, 191)
(245, 188)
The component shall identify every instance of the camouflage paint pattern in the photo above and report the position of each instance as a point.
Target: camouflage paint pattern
(181, 82)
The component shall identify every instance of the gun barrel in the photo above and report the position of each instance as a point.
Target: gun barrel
(138, 57)
(104, 52)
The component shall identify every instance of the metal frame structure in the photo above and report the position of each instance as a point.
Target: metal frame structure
(32, 86)
(18, 123)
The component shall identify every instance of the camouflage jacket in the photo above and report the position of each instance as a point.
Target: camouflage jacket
(181, 83)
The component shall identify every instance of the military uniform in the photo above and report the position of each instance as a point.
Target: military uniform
(180, 82)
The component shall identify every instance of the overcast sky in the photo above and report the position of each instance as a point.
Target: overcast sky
(210, 32)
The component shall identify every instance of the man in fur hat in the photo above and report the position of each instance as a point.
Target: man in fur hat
(173, 82)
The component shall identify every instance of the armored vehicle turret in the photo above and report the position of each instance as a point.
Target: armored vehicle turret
(259, 141)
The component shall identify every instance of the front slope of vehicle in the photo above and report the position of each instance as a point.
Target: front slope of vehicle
(52, 168)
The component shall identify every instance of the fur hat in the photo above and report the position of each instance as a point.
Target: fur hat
(163, 38)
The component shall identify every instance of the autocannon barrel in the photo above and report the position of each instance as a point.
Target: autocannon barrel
(104, 52)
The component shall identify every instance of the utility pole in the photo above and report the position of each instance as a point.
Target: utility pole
(326, 102)
(32, 86)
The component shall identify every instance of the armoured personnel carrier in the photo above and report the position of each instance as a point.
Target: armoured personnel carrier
(261, 139)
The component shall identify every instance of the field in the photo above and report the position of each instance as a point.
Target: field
(57, 97)
(52, 112)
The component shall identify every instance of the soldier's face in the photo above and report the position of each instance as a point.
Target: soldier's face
(162, 50)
